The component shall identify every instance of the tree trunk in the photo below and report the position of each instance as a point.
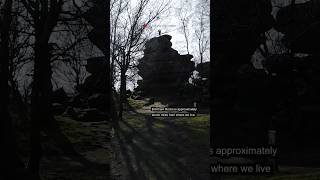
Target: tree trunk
(8, 142)
(123, 84)
(40, 103)
(41, 108)
(186, 37)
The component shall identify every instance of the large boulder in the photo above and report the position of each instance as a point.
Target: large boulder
(301, 25)
(239, 25)
(204, 69)
(98, 34)
(97, 81)
(203, 84)
(163, 70)
(158, 44)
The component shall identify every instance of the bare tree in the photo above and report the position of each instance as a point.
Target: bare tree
(202, 29)
(117, 8)
(130, 35)
(29, 34)
(185, 14)
(9, 148)
(72, 49)
(46, 17)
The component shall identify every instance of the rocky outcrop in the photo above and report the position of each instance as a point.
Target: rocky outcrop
(164, 71)
(97, 81)
(239, 26)
(299, 75)
(99, 67)
(203, 84)
(301, 25)
(98, 35)
(204, 69)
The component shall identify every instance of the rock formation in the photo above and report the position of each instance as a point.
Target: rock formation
(164, 71)
(203, 84)
(301, 25)
(204, 69)
(239, 26)
(97, 87)
(96, 82)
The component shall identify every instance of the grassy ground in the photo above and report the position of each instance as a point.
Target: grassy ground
(91, 140)
(161, 148)
(176, 148)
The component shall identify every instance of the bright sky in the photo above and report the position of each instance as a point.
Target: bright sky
(170, 24)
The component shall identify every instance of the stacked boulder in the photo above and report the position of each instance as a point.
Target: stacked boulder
(203, 84)
(92, 102)
(96, 81)
(238, 33)
(300, 24)
(165, 73)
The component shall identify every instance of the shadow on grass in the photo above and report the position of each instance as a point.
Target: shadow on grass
(156, 153)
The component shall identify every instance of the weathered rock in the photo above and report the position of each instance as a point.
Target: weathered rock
(98, 67)
(95, 37)
(96, 82)
(301, 25)
(204, 69)
(239, 25)
(91, 16)
(200, 91)
(164, 71)
(159, 44)
(98, 35)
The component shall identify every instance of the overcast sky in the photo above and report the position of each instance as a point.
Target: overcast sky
(169, 23)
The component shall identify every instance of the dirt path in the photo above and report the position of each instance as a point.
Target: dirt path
(160, 148)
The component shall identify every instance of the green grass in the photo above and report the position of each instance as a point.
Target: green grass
(197, 128)
(197, 131)
(135, 104)
(135, 121)
(202, 121)
(74, 130)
